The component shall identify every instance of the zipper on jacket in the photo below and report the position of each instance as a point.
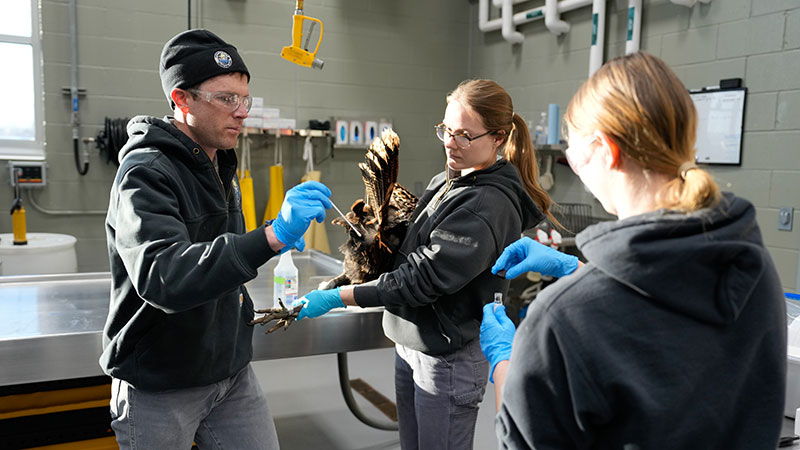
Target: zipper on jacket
(225, 196)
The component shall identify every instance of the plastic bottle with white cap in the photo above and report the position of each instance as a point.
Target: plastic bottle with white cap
(285, 281)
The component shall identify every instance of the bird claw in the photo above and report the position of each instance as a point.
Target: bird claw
(284, 316)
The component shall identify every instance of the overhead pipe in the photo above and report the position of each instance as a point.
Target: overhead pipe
(510, 33)
(689, 3)
(522, 17)
(634, 35)
(598, 35)
(552, 18)
(484, 24)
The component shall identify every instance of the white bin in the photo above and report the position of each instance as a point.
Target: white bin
(45, 253)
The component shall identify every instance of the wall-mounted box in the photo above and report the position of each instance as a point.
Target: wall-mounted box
(28, 173)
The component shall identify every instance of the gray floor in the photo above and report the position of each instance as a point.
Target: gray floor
(305, 400)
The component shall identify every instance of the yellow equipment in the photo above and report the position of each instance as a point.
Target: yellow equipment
(18, 224)
(316, 237)
(299, 54)
(276, 193)
(246, 186)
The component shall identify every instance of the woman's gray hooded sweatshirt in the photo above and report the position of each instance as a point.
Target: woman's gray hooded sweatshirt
(673, 336)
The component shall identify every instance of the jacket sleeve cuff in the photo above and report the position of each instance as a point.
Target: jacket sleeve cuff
(254, 248)
(366, 294)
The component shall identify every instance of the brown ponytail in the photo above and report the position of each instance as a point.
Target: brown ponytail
(494, 106)
(639, 102)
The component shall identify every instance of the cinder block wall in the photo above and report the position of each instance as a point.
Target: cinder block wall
(756, 40)
(398, 60)
(382, 59)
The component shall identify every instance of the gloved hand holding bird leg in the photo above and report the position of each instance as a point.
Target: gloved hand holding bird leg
(284, 316)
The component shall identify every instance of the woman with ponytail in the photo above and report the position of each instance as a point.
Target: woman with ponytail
(481, 203)
(673, 334)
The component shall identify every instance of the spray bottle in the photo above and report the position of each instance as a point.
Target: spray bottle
(541, 130)
(285, 279)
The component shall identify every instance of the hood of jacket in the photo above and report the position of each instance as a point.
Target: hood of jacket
(683, 261)
(160, 133)
(504, 176)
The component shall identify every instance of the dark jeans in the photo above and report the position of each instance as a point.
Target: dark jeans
(438, 397)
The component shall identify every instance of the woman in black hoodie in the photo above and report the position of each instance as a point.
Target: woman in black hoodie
(433, 297)
(673, 334)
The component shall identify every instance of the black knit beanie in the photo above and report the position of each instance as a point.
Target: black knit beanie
(194, 56)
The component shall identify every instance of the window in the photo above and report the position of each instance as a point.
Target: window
(21, 111)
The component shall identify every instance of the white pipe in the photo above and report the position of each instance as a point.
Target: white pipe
(569, 5)
(634, 26)
(552, 19)
(598, 35)
(689, 3)
(499, 3)
(484, 24)
(509, 32)
(522, 17)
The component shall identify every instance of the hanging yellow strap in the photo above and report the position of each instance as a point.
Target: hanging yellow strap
(248, 201)
(275, 192)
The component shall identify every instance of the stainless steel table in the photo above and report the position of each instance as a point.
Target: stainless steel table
(51, 325)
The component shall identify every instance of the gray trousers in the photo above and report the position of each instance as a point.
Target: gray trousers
(230, 414)
(438, 397)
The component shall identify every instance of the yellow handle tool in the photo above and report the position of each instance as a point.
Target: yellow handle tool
(18, 223)
(297, 52)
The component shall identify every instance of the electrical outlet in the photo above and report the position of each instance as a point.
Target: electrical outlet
(27, 173)
(785, 216)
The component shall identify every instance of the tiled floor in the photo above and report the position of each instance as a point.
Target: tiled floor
(310, 413)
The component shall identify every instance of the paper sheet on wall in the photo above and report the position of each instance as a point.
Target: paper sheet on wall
(720, 115)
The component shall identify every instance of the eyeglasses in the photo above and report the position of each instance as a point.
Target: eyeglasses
(463, 140)
(224, 100)
(576, 163)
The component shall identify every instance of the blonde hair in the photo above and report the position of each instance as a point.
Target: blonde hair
(644, 108)
(493, 104)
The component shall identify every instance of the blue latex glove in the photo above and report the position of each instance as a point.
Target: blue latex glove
(497, 333)
(302, 204)
(527, 255)
(317, 303)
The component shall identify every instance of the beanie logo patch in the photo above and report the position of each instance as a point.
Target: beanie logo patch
(223, 59)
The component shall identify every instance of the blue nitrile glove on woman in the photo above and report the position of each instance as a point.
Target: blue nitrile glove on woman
(527, 255)
(317, 303)
(497, 334)
(302, 204)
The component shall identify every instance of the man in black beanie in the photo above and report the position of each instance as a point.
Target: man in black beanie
(177, 343)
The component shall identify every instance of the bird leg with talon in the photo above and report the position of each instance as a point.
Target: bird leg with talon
(284, 316)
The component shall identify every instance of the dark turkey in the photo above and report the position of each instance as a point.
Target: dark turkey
(382, 217)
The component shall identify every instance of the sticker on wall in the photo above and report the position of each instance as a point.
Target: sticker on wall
(384, 124)
(341, 132)
(370, 130)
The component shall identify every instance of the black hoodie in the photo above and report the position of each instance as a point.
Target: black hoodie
(673, 336)
(179, 256)
(433, 297)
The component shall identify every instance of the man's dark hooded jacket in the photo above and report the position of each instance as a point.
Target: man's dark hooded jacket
(179, 312)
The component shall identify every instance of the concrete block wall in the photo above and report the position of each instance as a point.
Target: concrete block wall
(756, 40)
(395, 60)
(398, 60)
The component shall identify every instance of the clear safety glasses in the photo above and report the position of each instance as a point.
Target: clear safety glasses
(225, 100)
(463, 140)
